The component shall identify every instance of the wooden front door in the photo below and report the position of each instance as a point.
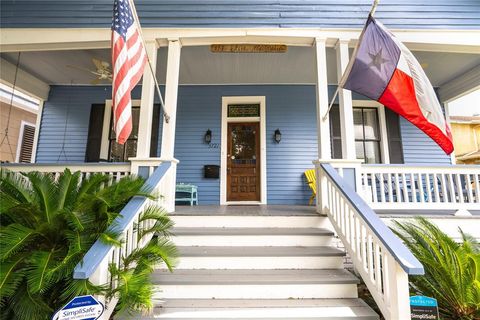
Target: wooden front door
(243, 161)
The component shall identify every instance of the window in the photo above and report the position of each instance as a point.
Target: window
(367, 134)
(121, 153)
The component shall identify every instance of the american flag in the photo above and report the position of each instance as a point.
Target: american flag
(128, 60)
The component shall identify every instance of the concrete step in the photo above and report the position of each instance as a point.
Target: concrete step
(255, 284)
(297, 257)
(263, 309)
(208, 236)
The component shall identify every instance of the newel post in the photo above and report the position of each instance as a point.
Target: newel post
(399, 294)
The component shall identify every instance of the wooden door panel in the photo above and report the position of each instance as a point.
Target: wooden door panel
(243, 162)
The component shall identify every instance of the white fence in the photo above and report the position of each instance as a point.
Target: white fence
(402, 187)
(381, 259)
(115, 170)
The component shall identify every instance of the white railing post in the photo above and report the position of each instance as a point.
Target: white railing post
(399, 294)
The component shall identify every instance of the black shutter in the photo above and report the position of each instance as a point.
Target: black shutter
(95, 129)
(395, 147)
(155, 128)
(335, 132)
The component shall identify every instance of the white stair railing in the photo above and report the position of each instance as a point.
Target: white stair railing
(380, 258)
(421, 187)
(94, 265)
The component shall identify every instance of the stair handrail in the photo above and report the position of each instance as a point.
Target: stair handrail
(95, 264)
(382, 260)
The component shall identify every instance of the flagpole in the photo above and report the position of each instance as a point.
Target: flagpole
(371, 13)
(139, 27)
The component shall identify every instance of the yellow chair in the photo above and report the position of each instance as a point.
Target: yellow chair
(312, 182)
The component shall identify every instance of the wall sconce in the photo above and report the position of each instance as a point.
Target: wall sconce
(277, 136)
(208, 136)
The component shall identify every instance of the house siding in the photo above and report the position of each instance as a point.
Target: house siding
(418, 148)
(404, 14)
(290, 108)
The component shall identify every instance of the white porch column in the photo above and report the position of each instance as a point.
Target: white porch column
(345, 98)
(171, 92)
(323, 125)
(146, 105)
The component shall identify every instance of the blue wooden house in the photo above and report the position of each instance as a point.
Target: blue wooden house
(247, 86)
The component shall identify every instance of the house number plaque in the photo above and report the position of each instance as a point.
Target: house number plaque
(248, 48)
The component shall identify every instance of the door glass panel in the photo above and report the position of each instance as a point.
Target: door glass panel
(243, 145)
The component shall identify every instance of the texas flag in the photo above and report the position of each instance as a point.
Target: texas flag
(384, 70)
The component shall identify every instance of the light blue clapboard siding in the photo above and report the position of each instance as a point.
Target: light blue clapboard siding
(65, 120)
(418, 148)
(405, 14)
(290, 108)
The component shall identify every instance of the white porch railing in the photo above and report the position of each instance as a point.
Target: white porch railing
(115, 170)
(94, 265)
(421, 187)
(380, 258)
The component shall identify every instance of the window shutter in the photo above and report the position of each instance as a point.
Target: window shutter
(155, 129)
(27, 144)
(95, 129)
(335, 132)
(395, 147)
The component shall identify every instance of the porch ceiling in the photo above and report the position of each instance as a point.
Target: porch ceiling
(200, 66)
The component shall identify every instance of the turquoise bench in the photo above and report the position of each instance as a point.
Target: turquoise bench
(186, 193)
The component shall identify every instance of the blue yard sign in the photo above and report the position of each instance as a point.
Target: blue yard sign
(423, 308)
(80, 308)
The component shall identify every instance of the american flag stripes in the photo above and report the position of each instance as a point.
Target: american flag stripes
(128, 60)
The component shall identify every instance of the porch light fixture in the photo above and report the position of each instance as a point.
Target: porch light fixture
(277, 136)
(208, 136)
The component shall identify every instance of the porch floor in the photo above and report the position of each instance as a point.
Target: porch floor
(246, 210)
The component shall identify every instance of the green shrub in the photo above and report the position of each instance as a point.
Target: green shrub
(47, 226)
(452, 270)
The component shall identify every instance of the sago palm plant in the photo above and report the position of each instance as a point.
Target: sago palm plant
(47, 226)
(452, 270)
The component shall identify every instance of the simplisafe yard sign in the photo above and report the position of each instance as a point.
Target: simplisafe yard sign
(423, 308)
(80, 308)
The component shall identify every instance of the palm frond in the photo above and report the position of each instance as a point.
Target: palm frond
(451, 269)
(14, 187)
(39, 275)
(11, 276)
(27, 306)
(44, 187)
(13, 238)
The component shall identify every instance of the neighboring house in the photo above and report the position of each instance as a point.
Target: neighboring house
(466, 136)
(265, 115)
(18, 117)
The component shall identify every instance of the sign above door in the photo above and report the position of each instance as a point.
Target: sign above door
(248, 48)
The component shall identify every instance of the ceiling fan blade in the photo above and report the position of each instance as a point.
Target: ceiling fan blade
(98, 64)
(84, 69)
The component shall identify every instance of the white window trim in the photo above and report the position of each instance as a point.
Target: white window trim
(263, 147)
(107, 115)
(384, 150)
(38, 122)
(20, 139)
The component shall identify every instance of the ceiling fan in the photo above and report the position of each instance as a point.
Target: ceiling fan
(102, 71)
